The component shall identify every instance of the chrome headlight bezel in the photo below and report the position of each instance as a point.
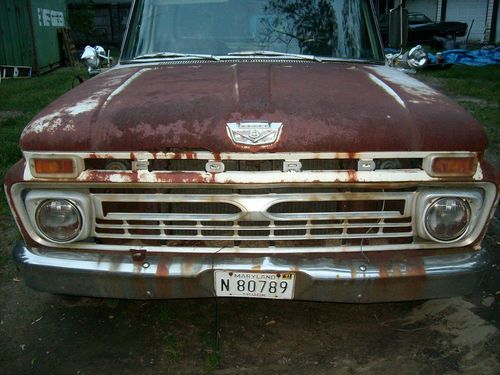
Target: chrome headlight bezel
(34, 199)
(426, 199)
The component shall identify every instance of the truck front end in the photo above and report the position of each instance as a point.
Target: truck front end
(253, 149)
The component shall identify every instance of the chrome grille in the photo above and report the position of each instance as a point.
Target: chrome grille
(344, 218)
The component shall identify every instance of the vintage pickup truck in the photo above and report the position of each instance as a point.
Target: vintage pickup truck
(253, 148)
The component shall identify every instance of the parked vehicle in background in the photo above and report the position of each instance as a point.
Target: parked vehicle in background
(422, 30)
(254, 149)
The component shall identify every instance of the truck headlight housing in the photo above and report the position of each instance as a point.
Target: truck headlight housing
(59, 220)
(448, 215)
(59, 217)
(446, 219)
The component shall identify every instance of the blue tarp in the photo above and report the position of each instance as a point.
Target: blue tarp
(479, 57)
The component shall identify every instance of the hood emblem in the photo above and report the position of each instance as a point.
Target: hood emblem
(254, 133)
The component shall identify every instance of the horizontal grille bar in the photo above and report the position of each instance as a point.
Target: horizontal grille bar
(244, 228)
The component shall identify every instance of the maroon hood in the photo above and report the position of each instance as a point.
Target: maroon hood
(338, 107)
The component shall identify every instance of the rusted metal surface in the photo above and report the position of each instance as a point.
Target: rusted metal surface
(252, 178)
(191, 166)
(336, 107)
(320, 278)
(148, 112)
(149, 202)
(15, 175)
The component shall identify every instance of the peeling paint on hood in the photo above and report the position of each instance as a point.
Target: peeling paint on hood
(337, 107)
(411, 86)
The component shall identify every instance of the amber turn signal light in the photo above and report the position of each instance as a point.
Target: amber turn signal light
(53, 166)
(451, 166)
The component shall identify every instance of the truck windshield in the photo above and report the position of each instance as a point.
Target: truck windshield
(173, 29)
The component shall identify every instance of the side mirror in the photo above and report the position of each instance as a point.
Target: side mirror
(398, 27)
(93, 58)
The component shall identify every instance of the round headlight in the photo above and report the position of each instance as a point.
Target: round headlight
(447, 219)
(58, 220)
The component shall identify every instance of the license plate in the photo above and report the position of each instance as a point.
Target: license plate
(274, 285)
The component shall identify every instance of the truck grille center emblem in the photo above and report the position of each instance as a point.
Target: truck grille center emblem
(254, 132)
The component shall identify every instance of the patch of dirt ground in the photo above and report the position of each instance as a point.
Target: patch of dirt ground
(46, 334)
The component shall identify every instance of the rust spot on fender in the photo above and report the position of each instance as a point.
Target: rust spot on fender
(383, 270)
(115, 176)
(187, 265)
(416, 268)
(138, 256)
(162, 269)
(353, 271)
(397, 270)
(352, 176)
(256, 268)
(184, 177)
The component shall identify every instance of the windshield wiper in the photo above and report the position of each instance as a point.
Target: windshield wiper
(168, 55)
(277, 54)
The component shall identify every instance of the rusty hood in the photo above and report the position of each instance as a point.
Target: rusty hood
(338, 107)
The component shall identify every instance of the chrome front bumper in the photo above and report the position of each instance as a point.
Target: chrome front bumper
(318, 277)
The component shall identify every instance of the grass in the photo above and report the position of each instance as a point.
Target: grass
(177, 340)
(171, 346)
(477, 89)
(21, 100)
(212, 353)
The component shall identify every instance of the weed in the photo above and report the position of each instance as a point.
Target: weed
(171, 346)
(209, 344)
(212, 361)
(21, 100)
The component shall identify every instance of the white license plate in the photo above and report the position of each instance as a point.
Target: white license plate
(274, 285)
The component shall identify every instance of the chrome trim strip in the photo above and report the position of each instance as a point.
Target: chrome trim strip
(244, 177)
(267, 177)
(241, 228)
(251, 156)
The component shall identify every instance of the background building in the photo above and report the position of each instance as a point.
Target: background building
(483, 15)
(30, 36)
(100, 22)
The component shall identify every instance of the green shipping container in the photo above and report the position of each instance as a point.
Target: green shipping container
(28, 33)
